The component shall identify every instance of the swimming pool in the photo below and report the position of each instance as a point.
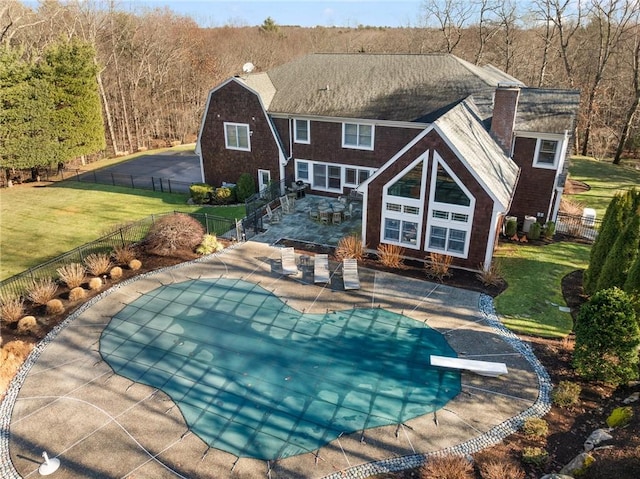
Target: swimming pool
(256, 378)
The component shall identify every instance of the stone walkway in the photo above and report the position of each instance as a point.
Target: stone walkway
(68, 402)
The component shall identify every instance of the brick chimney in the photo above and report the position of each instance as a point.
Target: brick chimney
(505, 104)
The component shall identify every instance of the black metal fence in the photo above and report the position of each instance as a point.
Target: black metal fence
(164, 185)
(128, 234)
(578, 227)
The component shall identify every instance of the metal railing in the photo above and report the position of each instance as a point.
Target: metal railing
(129, 234)
(164, 185)
(578, 227)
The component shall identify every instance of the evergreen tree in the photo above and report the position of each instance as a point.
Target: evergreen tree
(609, 229)
(77, 115)
(632, 284)
(607, 338)
(621, 256)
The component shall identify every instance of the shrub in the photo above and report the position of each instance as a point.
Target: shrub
(73, 275)
(621, 256)
(11, 308)
(447, 467)
(174, 234)
(116, 272)
(534, 231)
(350, 247)
(566, 394)
(95, 284)
(607, 338)
(495, 469)
(511, 227)
(77, 293)
(123, 254)
(210, 244)
(54, 306)
(620, 417)
(42, 290)
(224, 195)
(535, 427)
(200, 192)
(27, 325)
(98, 263)
(245, 187)
(390, 255)
(491, 276)
(536, 456)
(549, 229)
(438, 266)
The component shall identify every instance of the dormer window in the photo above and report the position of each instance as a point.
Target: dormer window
(358, 136)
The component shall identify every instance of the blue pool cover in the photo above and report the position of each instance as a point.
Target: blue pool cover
(257, 378)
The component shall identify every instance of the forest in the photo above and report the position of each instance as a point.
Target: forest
(151, 70)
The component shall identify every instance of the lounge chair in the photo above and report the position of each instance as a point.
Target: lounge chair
(337, 217)
(274, 217)
(483, 368)
(321, 268)
(288, 259)
(350, 274)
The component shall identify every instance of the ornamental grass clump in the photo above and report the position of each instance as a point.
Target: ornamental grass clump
(116, 272)
(77, 293)
(350, 247)
(73, 275)
(95, 284)
(123, 254)
(27, 325)
(98, 263)
(501, 469)
(209, 245)
(437, 267)
(135, 264)
(491, 276)
(535, 456)
(535, 427)
(11, 308)
(42, 290)
(447, 467)
(54, 306)
(390, 255)
(566, 394)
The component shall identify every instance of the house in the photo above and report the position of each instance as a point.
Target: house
(440, 149)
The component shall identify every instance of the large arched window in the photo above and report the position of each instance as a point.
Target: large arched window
(451, 208)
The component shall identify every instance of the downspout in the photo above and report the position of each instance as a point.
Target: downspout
(554, 206)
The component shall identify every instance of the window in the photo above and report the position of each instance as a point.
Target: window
(301, 131)
(451, 213)
(356, 135)
(236, 136)
(355, 176)
(302, 171)
(409, 185)
(546, 152)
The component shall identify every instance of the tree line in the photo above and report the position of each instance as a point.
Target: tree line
(153, 68)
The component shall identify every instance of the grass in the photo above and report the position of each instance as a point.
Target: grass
(41, 223)
(605, 180)
(530, 304)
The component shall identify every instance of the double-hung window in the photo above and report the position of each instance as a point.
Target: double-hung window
(302, 171)
(236, 136)
(358, 136)
(301, 131)
(354, 176)
(548, 151)
(450, 213)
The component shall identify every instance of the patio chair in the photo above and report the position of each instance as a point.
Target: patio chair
(321, 268)
(337, 217)
(348, 212)
(350, 274)
(483, 368)
(288, 259)
(273, 217)
(313, 214)
(286, 206)
(324, 217)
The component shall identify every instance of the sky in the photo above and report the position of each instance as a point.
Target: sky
(306, 13)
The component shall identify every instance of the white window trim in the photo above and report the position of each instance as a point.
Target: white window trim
(309, 178)
(358, 169)
(295, 132)
(400, 215)
(359, 147)
(226, 138)
(448, 224)
(562, 146)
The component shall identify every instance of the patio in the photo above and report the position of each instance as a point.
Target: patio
(299, 225)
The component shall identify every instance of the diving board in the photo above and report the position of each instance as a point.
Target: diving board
(483, 368)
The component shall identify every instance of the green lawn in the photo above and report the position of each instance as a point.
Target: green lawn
(41, 223)
(531, 303)
(605, 180)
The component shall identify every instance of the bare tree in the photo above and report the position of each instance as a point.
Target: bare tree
(450, 17)
(633, 107)
(487, 26)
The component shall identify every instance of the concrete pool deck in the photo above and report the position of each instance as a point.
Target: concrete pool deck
(101, 425)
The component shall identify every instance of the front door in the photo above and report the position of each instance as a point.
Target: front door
(264, 177)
